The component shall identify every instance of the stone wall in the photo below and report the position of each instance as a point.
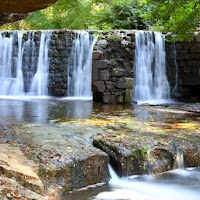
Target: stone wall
(58, 53)
(188, 60)
(113, 64)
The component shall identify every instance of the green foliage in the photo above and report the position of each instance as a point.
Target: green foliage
(84, 14)
(179, 17)
(120, 14)
(71, 14)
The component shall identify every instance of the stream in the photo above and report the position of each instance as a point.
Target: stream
(56, 119)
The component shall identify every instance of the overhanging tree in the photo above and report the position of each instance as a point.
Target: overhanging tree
(180, 17)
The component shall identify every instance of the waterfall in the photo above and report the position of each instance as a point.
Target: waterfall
(80, 66)
(179, 162)
(22, 73)
(151, 84)
(29, 62)
(17, 87)
(6, 49)
(11, 84)
(40, 80)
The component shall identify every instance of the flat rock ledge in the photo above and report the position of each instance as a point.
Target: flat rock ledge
(137, 155)
(28, 172)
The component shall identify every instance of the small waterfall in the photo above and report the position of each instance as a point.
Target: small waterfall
(17, 87)
(179, 162)
(22, 73)
(80, 66)
(11, 79)
(176, 76)
(6, 49)
(40, 80)
(29, 62)
(151, 84)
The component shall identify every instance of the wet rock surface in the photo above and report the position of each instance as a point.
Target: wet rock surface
(134, 154)
(139, 139)
(191, 107)
(69, 166)
(61, 166)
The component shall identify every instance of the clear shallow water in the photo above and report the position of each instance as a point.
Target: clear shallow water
(56, 120)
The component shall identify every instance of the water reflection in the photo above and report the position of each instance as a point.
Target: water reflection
(42, 111)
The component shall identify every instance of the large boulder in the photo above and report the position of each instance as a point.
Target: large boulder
(51, 169)
(68, 166)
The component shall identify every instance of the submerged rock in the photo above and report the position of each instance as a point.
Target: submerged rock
(138, 154)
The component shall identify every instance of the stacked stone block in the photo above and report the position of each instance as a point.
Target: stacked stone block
(113, 67)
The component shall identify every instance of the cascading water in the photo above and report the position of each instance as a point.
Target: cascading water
(151, 84)
(29, 62)
(80, 66)
(17, 87)
(151, 187)
(11, 84)
(179, 162)
(6, 49)
(40, 80)
(20, 73)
